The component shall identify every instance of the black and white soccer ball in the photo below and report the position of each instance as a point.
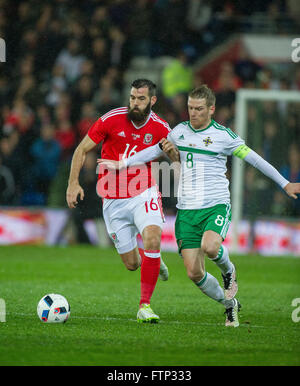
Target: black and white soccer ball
(53, 308)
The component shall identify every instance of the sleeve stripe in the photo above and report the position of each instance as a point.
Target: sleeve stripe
(157, 119)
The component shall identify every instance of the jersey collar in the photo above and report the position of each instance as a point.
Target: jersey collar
(144, 124)
(200, 131)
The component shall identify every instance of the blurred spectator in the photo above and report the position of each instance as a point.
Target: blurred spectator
(87, 118)
(57, 85)
(169, 28)
(43, 115)
(245, 68)
(52, 43)
(227, 79)
(71, 60)
(66, 137)
(99, 55)
(224, 116)
(100, 19)
(21, 116)
(28, 91)
(45, 153)
(264, 78)
(199, 15)
(5, 90)
(62, 112)
(291, 171)
(107, 96)
(7, 185)
(140, 28)
(177, 77)
(12, 157)
(296, 80)
(179, 103)
(226, 85)
(117, 42)
(271, 145)
(83, 92)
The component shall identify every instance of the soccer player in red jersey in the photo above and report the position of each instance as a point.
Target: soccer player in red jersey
(131, 200)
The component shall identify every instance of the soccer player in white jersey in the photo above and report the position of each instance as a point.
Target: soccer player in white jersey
(204, 212)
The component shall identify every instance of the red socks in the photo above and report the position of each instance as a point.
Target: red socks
(149, 273)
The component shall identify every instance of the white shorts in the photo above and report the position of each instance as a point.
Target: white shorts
(125, 218)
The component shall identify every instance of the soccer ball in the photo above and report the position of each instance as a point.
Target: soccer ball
(53, 308)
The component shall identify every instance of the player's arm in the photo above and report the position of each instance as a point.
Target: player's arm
(139, 158)
(74, 189)
(165, 146)
(254, 159)
(170, 149)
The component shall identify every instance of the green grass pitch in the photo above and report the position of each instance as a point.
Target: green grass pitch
(104, 296)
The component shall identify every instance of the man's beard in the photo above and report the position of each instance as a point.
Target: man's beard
(136, 115)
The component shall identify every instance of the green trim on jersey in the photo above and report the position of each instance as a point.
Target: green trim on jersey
(223, 128)
(193, 150)
(200, 131)
(241, 151)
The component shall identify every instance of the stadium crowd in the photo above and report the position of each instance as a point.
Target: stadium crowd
(65, 66)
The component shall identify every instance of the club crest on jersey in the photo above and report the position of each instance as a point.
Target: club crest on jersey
(113, 237)
(207, 141)
(148, 139)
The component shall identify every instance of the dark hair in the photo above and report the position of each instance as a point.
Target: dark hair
(204, 92)
(138, 83)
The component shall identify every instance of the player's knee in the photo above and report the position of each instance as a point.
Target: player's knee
(195, 276)
(152, 242)
(132, 266)
(151, 237)
(210, 249)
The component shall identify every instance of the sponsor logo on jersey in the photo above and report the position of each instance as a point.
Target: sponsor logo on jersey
(135, 136)
(148, 138)
(207, 141)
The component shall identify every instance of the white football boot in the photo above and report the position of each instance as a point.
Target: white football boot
(232, 319)
(146, 315)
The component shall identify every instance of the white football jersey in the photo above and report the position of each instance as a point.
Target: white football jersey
(203, 156)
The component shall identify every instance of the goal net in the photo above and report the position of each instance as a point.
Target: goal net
(269, 122)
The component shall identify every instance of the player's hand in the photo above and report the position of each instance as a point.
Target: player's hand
(170, 149)
(73, 191)
(110, 164)
(292, 189)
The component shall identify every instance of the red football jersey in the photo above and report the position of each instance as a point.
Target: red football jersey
(121, 139)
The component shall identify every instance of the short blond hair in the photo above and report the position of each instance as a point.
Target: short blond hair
(204, 92)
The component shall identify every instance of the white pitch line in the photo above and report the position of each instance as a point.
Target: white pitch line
(134, 320)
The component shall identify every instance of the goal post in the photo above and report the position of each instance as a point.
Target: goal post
(243, 96)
